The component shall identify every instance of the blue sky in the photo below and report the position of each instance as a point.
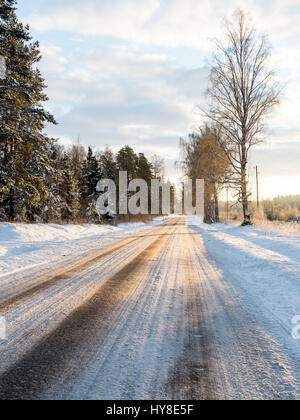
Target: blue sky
(133, 71)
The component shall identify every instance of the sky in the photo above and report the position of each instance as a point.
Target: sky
(134, 72)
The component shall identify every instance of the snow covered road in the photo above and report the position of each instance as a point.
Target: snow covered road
(174, 310)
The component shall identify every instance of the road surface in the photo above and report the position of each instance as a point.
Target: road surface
(148, 317)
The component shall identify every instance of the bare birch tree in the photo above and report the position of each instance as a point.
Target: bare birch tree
(242, 92)
(158, 167)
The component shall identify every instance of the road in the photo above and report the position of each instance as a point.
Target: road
(148, 317)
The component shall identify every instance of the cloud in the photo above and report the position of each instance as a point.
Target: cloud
(124, 96)
(168, 23)
(133, 78)
(53, 60)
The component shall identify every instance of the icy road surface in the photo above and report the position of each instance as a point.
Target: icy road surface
(175, 310)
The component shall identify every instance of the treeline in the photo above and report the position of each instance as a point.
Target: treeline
(68, 187)
(282, 208)
(69, 184)
(39, 179)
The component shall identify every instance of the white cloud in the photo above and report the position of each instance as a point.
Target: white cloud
(166, 22)
(105, 17)
(123, 94)
(126, 96)
(53, 60)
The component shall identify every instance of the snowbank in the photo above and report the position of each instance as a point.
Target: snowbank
(264, 268)
(27, 246)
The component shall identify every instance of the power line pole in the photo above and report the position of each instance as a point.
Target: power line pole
(257, 190)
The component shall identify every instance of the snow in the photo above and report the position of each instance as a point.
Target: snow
(263, 268)
(262, 262)
(24, 246)
(198, 311)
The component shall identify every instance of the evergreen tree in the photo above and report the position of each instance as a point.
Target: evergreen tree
(68, 191)
(52, 205)
(127, 161)
(108, 165)
(93, 174)
(144, 169)
(24, 149)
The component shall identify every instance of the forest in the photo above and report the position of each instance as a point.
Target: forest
(40, 179)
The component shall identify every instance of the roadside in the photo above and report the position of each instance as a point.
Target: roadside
(262, 271)
(31, 254)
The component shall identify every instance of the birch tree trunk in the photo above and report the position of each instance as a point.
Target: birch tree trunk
(242, 93)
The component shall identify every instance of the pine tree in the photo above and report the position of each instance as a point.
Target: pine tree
(108, 165)
(144, 169)
(23, 146)
(52, 204)
(93, 174)
(127, 161)
(68, 191)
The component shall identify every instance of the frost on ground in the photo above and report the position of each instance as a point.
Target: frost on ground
(168, 310)
(263, 269)
(26, 250)
(263, 263)
(23, 246)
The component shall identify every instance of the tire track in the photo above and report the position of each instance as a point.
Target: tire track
(248, 362)
(126, 339)
(192, 377)
(73, 270)
(60, 356)
(34, 317)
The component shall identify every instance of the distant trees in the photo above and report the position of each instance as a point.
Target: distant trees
(285, 208)
(136, 166)
(127, 161)
(204, 158)
(158, 167)
(68, 192)
(242, 93)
